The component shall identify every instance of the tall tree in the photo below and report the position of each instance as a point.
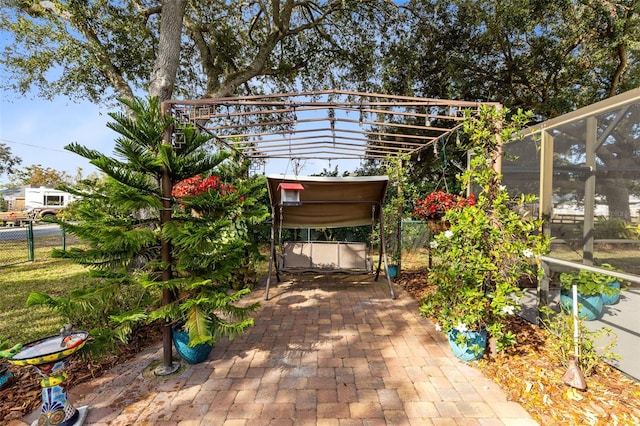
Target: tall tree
(39, 176)
(546, 56)
(95, 50)
(163, 77)
(550, 57)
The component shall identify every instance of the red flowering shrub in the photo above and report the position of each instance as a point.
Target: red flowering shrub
(434, 205)
(196, 185)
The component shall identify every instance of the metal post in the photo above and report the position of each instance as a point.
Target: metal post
(30, 242)
(589, 191)
(543, 289)
(272, 252)
(544, 213)
(400, 213)
(546, 182)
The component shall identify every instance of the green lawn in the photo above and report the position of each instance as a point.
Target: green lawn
(19, 324)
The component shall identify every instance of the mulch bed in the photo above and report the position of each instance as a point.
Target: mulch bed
(526, 372)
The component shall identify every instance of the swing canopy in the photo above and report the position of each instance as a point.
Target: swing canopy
(327, 202)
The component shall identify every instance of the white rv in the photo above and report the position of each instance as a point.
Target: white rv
(43, 201)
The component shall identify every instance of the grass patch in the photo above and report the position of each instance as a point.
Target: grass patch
(19, 324)
(13, 252)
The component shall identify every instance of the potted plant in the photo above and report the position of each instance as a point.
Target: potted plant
(591, 288)
(393, 266)
(458, 308)
(479, 261)
(434, 206)
(209, 240)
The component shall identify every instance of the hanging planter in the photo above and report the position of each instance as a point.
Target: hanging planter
(435, 205)
(437, 226)
(468, 345)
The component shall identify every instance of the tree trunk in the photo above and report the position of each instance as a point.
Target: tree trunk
(168, 59)
(617, 194)
(161, 86)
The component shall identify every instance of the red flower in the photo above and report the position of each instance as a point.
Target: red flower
(435, 204)
(196, 185)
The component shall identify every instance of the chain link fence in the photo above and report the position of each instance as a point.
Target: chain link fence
(25, 243)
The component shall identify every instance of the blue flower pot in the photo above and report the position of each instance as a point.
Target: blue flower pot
(589, 307)
(193, 355)
(468, 351)
(6, 378)
(613, 299)
(393, 271)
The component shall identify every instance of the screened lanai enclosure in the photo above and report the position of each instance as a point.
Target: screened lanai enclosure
(585, 166)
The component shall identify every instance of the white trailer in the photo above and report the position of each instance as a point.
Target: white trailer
(43, 201)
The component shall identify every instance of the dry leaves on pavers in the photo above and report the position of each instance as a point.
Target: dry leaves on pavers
(529, 375)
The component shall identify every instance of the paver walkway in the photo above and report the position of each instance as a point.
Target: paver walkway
(328, 350)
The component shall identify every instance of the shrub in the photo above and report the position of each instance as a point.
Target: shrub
(562, 344)
(489, 247)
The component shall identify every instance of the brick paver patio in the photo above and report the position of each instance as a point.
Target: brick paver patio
(325, 350)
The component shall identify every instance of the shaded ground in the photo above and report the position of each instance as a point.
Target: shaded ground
(528, 374)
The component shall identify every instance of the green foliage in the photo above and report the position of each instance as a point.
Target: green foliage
(206, 310)
(561, 341)
(400, 189)
(91, 308)
(39, 176)
(106, 47)
(634, 231)
(489, 247)
(210, 233)
(589, 283)
(8, 161)
(613, 228)
(549, 57)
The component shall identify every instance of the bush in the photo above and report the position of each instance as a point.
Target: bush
(562, 344)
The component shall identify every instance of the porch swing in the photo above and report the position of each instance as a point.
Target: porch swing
(325, 202)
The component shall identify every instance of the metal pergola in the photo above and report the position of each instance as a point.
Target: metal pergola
(329, 124)
(324, 125)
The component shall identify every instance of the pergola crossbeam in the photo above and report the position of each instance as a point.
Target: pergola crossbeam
(332, 124)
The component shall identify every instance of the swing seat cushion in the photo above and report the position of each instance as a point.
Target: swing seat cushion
(325, 255)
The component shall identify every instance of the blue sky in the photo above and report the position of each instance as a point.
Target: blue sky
(37, 131)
